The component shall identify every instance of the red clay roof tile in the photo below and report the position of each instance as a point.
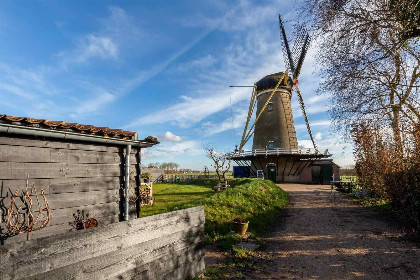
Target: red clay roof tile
(57, 125)
(33, 121)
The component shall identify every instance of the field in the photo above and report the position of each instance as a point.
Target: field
(258, 201)
(171, 197)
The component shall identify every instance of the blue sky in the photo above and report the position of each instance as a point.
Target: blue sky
(160, 68)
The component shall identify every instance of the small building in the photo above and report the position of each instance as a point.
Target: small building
(80, 167)
(320, 172)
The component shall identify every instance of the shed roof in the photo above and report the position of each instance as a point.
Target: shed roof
(69, 127)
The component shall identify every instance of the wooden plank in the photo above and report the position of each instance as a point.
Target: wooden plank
(61, 185)
(176, 251)
(62, 250)
(71, 200)
(108, 251)
(101, 212)
(8, 187)
(166, 267)
(15, 170)
(10, 153)
(81, 156)
(65, 215)
(66, 144)
(73, 185)
(155, 257)
(55, 229)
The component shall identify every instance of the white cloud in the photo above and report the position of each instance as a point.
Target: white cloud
(91, 46)
(200, 63)
(305, 144)
(243, 17)
(168, 149)
(85, 108)
(318, 136)
(235, 121)
(169, 137)
(103, 47)
(210, 91)
(340, 148)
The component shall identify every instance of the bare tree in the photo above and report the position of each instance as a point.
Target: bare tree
(369, 54)
(221, 162)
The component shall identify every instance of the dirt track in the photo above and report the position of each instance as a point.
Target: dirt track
(326, 236)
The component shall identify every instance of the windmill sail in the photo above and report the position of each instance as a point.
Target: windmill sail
(288, 59)
(294, 61)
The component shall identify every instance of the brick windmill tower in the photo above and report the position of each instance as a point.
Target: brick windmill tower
(275, 154)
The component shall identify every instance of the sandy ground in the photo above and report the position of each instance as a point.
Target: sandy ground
(326, 236)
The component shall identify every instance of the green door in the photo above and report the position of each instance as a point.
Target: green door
(327, 172)
(272, 173)
(316, 174)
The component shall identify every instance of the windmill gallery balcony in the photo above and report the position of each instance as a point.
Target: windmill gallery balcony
(278, 152)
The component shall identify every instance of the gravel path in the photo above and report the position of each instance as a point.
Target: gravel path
(326, 236)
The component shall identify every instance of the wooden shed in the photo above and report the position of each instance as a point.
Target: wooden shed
(80, 167)
(320, 172)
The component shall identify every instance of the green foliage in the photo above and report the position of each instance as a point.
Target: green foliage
(348, 178)
(146, 175)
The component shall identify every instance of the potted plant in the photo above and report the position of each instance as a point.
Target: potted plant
(146, 177)
(240, 226)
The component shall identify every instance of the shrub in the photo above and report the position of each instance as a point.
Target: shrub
(388, 172)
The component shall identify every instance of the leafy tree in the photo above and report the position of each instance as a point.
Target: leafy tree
(369, 54)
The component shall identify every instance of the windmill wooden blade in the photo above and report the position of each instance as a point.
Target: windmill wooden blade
(302, 106)
(303, 52)
(288, 59)
(294, 61)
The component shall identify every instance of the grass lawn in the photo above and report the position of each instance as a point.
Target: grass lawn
(171, 197)
(258, 201)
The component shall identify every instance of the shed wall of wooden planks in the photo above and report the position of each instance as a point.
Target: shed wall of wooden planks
(166, 246)
(74, 175)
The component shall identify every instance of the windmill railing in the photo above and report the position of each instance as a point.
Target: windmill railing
(280, 151)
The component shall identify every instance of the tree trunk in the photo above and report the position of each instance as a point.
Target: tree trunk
(396, 130)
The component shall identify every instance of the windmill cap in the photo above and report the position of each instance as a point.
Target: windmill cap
(270, 82)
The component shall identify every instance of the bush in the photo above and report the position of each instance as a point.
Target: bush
(388, 172)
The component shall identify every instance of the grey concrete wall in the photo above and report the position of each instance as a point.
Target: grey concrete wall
(166, 246)
(74, 176)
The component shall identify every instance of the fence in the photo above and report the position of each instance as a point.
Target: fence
(182, 178)
(165, 246)
(350, 184)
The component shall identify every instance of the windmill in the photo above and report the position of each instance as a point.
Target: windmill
(275, 149)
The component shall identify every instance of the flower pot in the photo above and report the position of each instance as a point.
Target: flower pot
(240, 227)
